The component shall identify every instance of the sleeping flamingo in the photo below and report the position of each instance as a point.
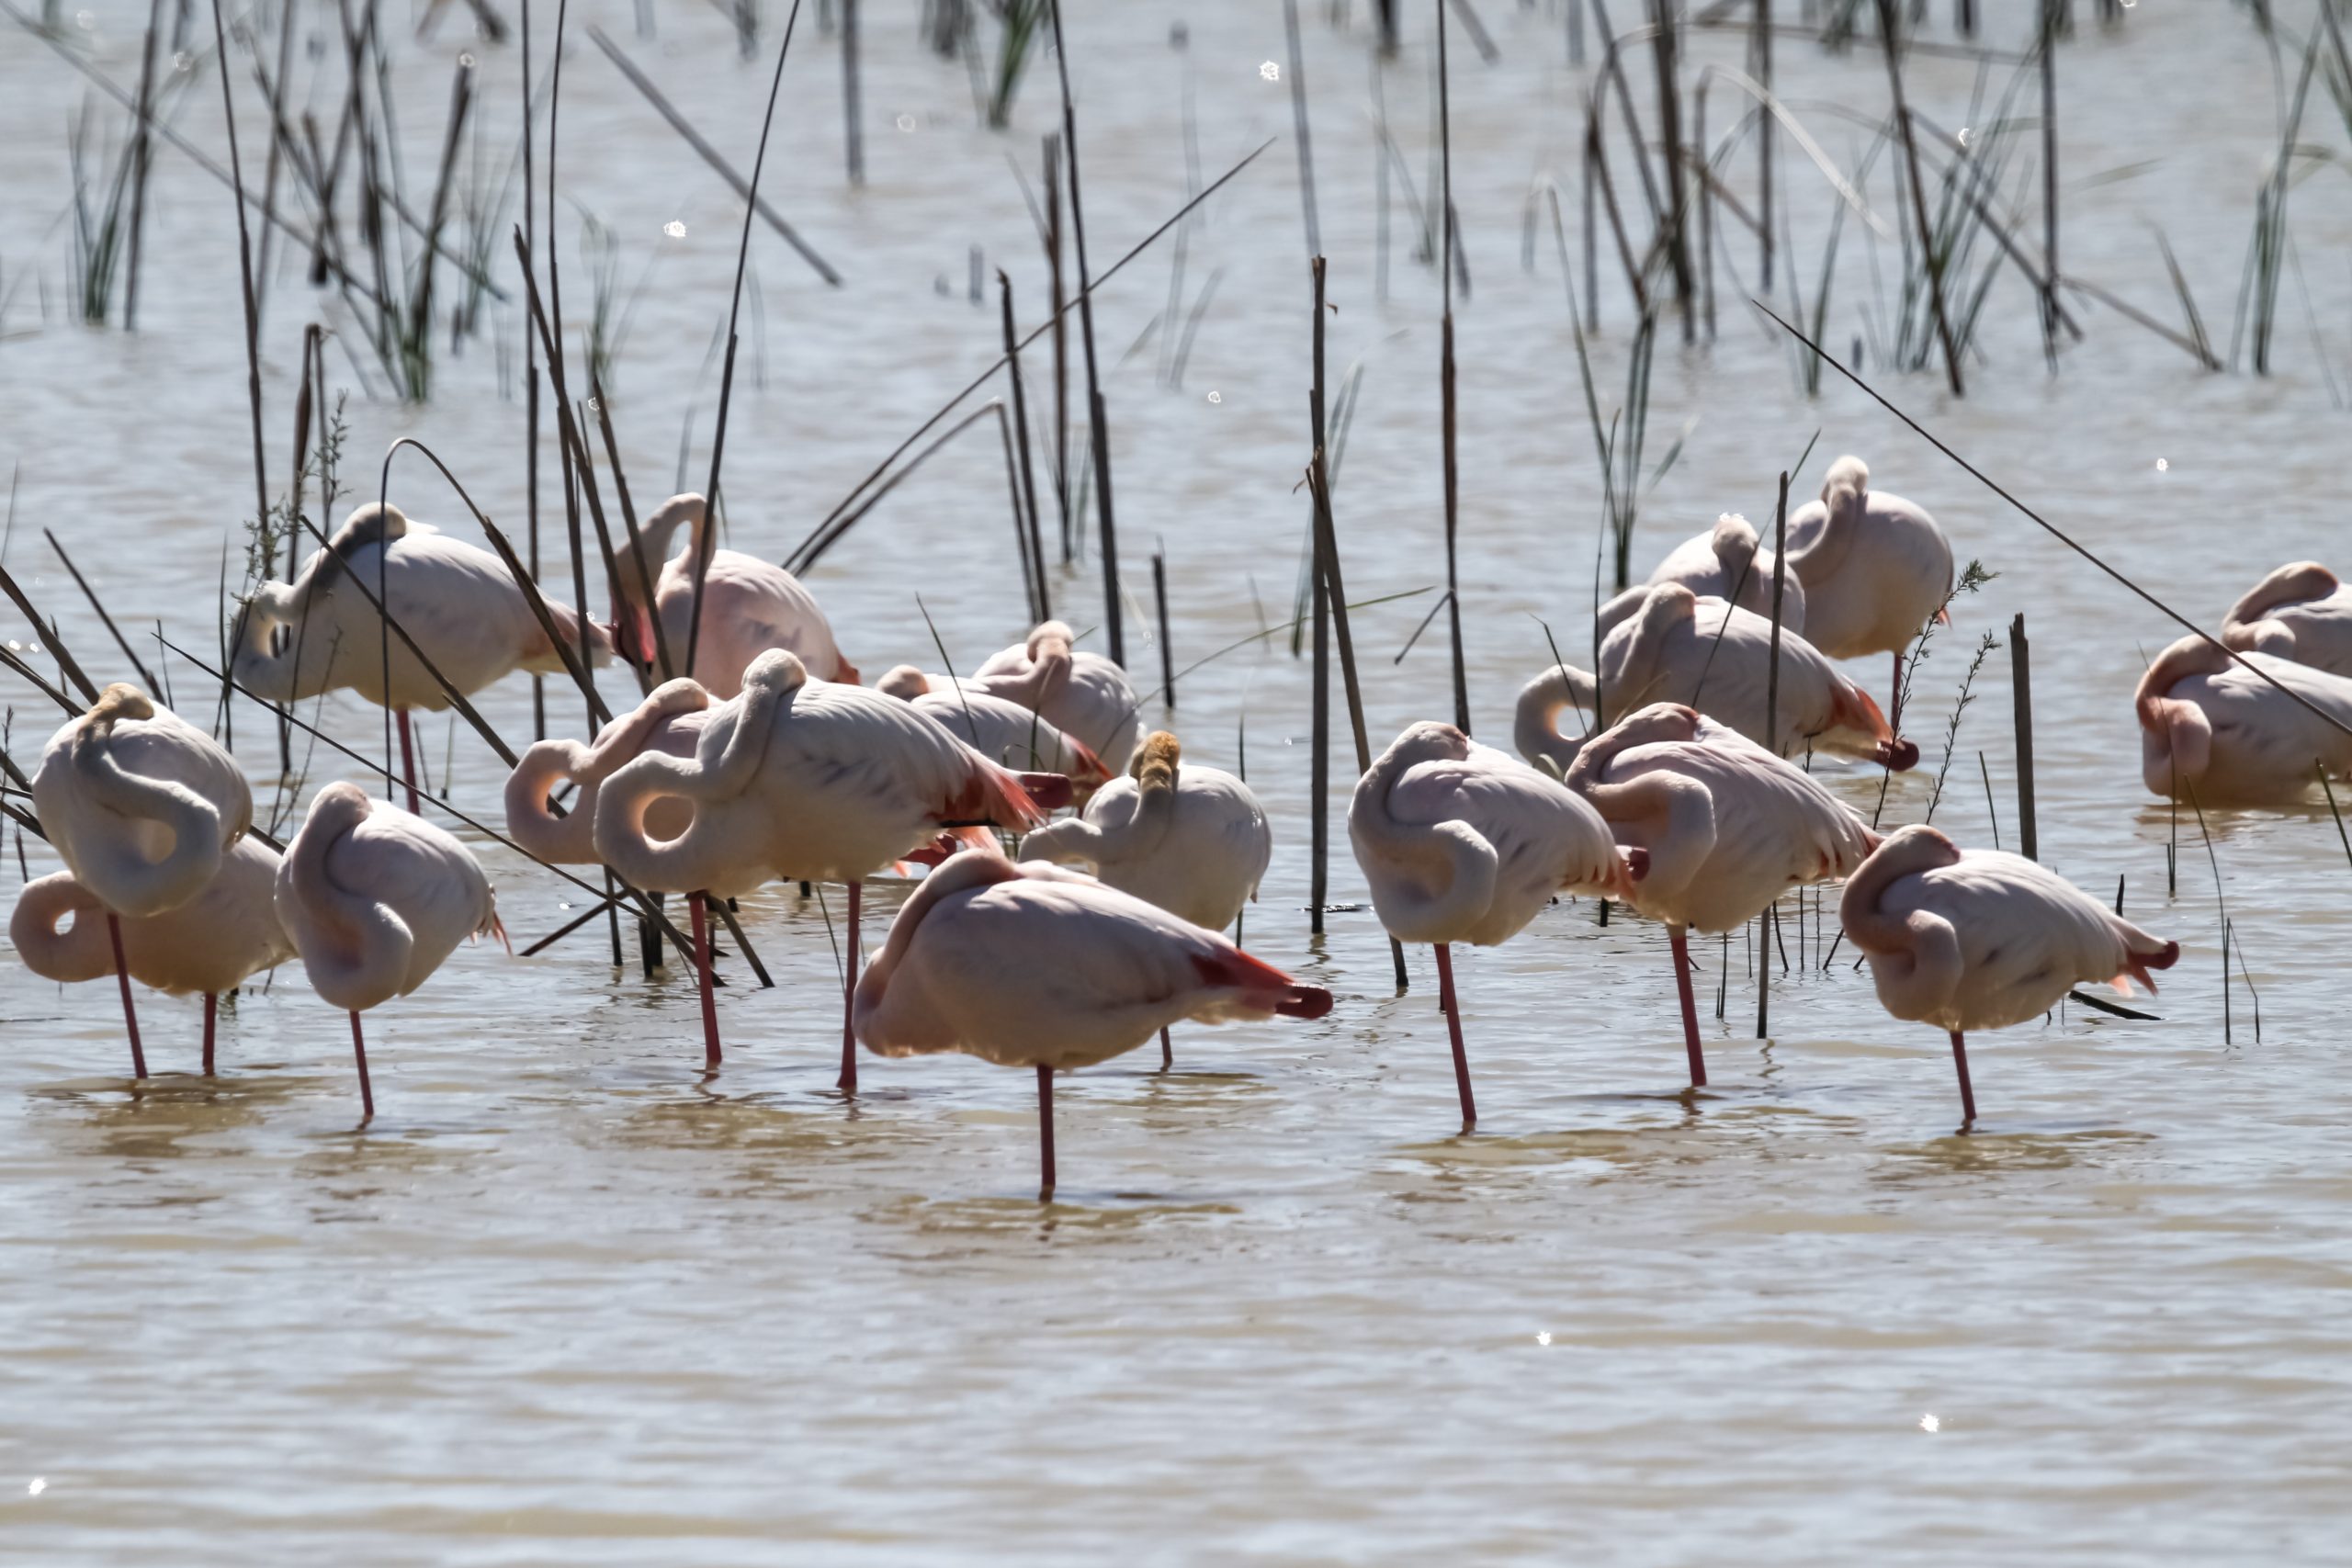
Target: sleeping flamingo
(1728, 826)
(211, 944)
(1730, 563)
(1461, 843)
(1719, 660)
(458, 602)
(1084, 694)
(143, 807)
(812, 780)
(2209, 723)
(2300, 611)
(749, 606)
(1038, 966)
(1975, 939)
(1193, 841)
(375, 898)
(670, 719)
(1875, 568)
(1000, 728)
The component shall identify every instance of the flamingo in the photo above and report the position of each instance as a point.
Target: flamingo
(1729, 828)
(749, 606)
(670, 719)
(457, 599)
(1037, 965)
(375, 898)
(1084, 694)
(998, 727)
(141, 806)
(211, 943)
(1719, 658)
(1193, 841)
(2301, 612)
(2208, 722)
(1730, 562)
(1462, 843)
(1976, 938)
(1875, 568)
(812, 780)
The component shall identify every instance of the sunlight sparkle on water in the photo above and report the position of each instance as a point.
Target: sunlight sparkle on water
(906, 122)
(1928, 1423)
(36, 1487)
(1216, 397)
(1269, 72)
(675, 229)
(2162, 465)
(1544, 1338)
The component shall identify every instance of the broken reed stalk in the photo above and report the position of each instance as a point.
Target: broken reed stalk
(1930, 257)
(1760, 48)
(2220, 903)
(1298, 120)
(1664, 42)
(1101, 433)
(141, 149)
(531, 373)
(2056, 532)
(1446, 380)
(1167, 648)
(802, 555)
(707, 535)
(277, 144)
(1019, 520)
(2021, 690)
(245, 279)
(2050, 177)
(2329, 790)
(1327, 552)
(1780, 582)
(747, 190)
(1318, 787)
(1035, 546)
(852, 127)
(1061, 335)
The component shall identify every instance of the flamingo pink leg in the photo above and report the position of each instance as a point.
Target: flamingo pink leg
(1680, 942)
(1046, 1128)
(408, 760)
(360, 1056)
(848, 1081)
(1167, 1052)
(1967, 1095)
(130, 1017)
(702, 975)
(1454, 1026)
(211, 1009)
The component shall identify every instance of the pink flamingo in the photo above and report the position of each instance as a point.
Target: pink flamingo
(2301, 612)
(1728, 826)
(1034, 965)
(1719, 660)
(1462, 843)
(458, 601)
(141, 807)
(1084, 694)
(1975, 939)
(1193, 841)
(1875, 568)
(2209, 724)
(375, 898)
(670, 719)
(812, 780)
(749, 606)
(1000, 728)
(211, 944)
(1730, 562)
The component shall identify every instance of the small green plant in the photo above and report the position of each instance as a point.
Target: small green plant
(1019, 25)
(101, 218)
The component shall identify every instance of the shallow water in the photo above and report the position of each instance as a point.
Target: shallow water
(566, 1300)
